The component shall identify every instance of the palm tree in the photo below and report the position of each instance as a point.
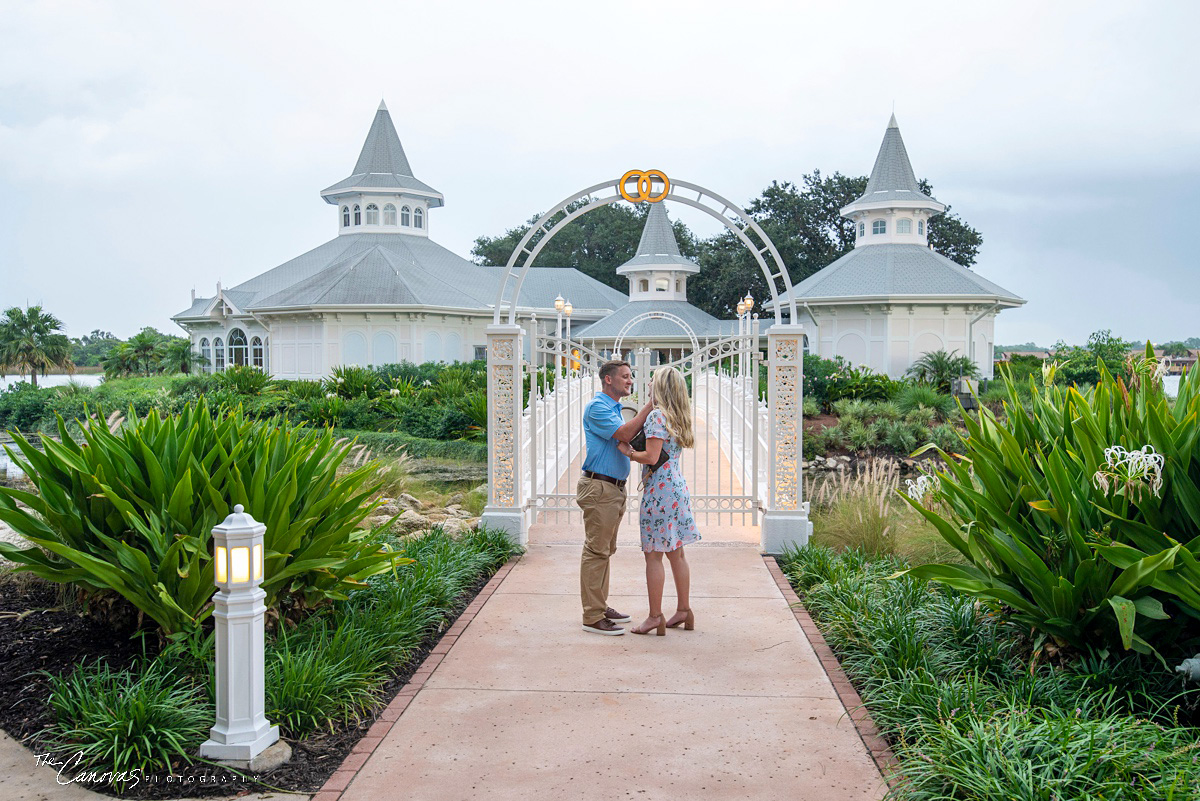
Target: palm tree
(178, 356)
(147, 350)
(31, 342)
(938, 368)
(119, 360)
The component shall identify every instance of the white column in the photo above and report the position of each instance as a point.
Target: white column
(505, 507)
(785, 521)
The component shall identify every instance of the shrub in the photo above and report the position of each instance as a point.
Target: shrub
(915, 396)
(858, 382)
(130, 513)
(1073, 515)
(352, 382)
(419, 448)
(242, 379)
(938, 369)
(299, 391)
(146, 719)
(811, 408)
(860, 435)
(23, 408)
(850, 410)
(945, 438)
(898, 436)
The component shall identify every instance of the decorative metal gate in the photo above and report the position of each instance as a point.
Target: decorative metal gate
(725, 471)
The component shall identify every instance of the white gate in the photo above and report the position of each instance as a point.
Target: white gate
(725, 471)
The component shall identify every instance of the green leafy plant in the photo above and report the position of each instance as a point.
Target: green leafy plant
(916, 396)
(145, 719)
(1079, 517)
(352, 382)
(299, 391)
(130, 512)
(938, 369)
(242, 379)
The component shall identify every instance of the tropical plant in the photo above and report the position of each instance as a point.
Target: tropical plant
(31, 342)
(130, 512)
(1079, 516)
(178, 356)
(146, 349)
(351, 381)
(242, 379)
(299, 391)
(119, 361)
(938, 369)
(913, 396)
(858, 382)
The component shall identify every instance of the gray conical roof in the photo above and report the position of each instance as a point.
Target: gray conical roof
(382, 165)
(892, 178)
(658, 247)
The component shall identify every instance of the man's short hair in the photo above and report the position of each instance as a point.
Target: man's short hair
(610, 367)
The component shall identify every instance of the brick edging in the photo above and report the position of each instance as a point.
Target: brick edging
(337, 783)
(876, 745)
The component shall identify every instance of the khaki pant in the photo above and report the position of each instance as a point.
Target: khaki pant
(603, 506)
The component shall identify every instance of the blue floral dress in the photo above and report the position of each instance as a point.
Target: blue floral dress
(666, 518)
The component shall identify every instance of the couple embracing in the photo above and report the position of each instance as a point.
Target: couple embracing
(667, 521)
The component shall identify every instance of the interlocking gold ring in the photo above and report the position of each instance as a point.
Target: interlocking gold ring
(645, 186)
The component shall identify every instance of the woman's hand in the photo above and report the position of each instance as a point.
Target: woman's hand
(624, 448)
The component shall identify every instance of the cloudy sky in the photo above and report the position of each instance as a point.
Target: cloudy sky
(147, 148)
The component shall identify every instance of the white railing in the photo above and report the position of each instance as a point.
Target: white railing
(552, 434)
(738, 421)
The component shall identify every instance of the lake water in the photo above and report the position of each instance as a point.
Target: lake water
(87, 379)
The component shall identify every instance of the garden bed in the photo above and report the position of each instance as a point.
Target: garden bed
(974, 710)
(38, 640)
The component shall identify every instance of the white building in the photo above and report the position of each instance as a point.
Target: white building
(381, 291)
(892, 299)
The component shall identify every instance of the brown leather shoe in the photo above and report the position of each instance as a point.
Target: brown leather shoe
(604, 626)
(615, 616)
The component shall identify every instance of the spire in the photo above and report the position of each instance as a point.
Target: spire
(658, 246)
(892, 179)
(382, 153)
(382, 165)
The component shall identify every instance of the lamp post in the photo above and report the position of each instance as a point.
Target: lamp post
(567, 309)
(242, 731)
(559, 304)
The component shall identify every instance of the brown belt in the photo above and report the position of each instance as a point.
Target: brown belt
(620, 482)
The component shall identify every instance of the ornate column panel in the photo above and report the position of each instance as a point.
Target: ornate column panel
(505, 509)
(785, 521)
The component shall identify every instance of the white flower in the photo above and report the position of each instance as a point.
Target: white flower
(393, 392)
(341, 381)
(331, 394)
(922, 487)
(427, 383)
(1131, 471)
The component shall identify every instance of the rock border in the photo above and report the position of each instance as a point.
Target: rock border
(336, 784)
(881, 752)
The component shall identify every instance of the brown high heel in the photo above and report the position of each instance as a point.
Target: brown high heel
(662, 627)
(689, 622)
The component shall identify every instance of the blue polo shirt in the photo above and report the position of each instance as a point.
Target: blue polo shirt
(601, 419)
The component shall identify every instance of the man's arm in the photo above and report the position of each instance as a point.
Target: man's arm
(629, 430)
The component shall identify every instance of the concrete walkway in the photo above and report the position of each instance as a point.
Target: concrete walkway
(527, 705)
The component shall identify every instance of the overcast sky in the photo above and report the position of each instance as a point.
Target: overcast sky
(147, 148)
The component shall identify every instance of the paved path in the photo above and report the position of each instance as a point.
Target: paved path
(527, 705)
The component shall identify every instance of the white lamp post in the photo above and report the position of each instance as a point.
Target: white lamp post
(242, 731)
(559, 304)
(567, 309)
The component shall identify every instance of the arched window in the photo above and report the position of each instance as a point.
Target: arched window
(433, 346)
(661, 284)
(904, 226)
(921, 227)
(405, 216)
(678, 285)
(206, 353)
(354, 349)
(879, 227)
(418, 218)
(644, 285)
(389, 214)
(345, 216)
(357, 215)
(256, 352)
(862, 228)
(372, 214)
(453, 349)
(383, 349)
(238, 353)
(218, 354)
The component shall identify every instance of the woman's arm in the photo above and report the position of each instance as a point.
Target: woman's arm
(654, 447)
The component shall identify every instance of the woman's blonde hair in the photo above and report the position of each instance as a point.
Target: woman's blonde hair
(671, 396)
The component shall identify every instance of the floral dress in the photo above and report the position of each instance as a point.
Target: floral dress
(667, 520)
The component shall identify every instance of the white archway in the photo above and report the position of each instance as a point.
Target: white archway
(778, 280)
(657, 315)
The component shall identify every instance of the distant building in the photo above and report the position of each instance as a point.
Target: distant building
(892, 299)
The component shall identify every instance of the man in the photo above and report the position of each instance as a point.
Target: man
(601, 491)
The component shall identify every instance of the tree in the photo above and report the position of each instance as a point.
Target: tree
(595, 244)
(31, 342)
(86, 351)
(1176, 349)
(146, 348)
(1078, 365)
(178, 356)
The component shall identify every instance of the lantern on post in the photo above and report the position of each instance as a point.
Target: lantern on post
(242, 731)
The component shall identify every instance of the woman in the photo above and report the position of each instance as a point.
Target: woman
(667, 521)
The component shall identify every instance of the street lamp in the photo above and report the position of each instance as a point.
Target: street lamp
(242, 731)
(567, 309)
